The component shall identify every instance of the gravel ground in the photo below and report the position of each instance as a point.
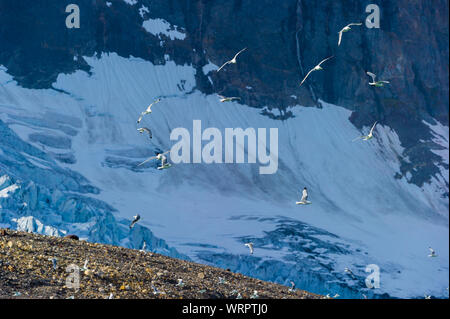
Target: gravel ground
(27, 271)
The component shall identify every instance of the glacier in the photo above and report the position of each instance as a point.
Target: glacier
(72, 153)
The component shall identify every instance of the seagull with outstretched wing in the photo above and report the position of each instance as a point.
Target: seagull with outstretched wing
(233, 60)
(346, 29)
(228, 99)
(316, 68)
(374, 82)
(148, 110)
(159, 156)
(250, 246)
(432, 252)
(368, 136)
(145, 129)
(135, 220)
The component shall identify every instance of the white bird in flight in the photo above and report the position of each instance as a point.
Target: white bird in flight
(376, 83)
(148, 110)
(368, 136)
(85, 264)
(228, 99)
(292, 286)
(304, 195)
(250, 246)
(316, 68)
(432, 252)
(232, 61)
(145, 129)
(348, 271)
(159, 156)
(346, 29)
(54, 262)
(135, 220)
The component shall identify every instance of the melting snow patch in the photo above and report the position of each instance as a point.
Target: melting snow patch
(143, 10)
(131, 2)
(161, 26)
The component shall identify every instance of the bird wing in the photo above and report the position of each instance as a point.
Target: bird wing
(359, 137)
(223, 66)
(325, 60)
(371, 130)
(356, 23)
(306, 77)
(148, 159)
(140, 119)
(384, 82)
(431, 250)
(150, 106)
(340, 38)
(239, 53)
(148, 130)
(373, 76)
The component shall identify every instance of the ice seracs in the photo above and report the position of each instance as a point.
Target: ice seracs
(145, 129)
(376, 83)
(250, 246)
(346, 29)
(233, 60)
(135, 220)
(148, 110)
(316, 68)
(368, 136)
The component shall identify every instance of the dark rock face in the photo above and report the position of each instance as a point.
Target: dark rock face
(74, 237)
(284, 40)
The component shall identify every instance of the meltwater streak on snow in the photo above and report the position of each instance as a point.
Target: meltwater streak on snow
(351, 185)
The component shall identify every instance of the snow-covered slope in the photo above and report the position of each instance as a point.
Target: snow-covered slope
(82, 137)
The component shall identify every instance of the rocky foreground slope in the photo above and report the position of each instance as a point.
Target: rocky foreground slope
(27, 271)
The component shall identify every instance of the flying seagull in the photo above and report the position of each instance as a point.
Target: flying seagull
(432, 252)
(135, 220)
(316, 68)
(159, 156)
(250, 246)
(145, 129)
(180, 283)
(54, 262)
(148, 110)
(233, 60)
(348, 271)
(346, 29)
(368, 136)
(85, 264)
(304, 195)
(376, 83)
(228, 99)
(292, 286)
(427, 297)
(254, 295)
